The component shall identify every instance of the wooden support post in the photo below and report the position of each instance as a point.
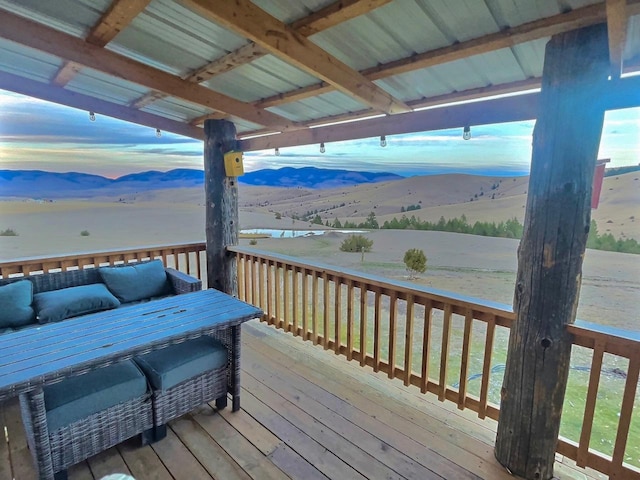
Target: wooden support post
(565, 147)
(221, 211)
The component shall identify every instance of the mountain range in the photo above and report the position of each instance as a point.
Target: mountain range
(42, 184)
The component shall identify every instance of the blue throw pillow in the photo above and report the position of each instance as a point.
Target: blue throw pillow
(15, 304)
(137, 281)
(69, 302)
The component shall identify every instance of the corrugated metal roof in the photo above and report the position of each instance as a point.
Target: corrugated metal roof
(288, 11)
(176, 109)
(328, 104)
(171, 37)
(27, 62)
(261, 78)
(105, 87)
(75, 17)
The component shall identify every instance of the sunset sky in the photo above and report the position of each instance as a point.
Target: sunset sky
(37, 135)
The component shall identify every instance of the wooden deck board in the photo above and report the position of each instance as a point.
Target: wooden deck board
(306, 414)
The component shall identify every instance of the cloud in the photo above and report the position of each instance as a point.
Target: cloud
(35, 134)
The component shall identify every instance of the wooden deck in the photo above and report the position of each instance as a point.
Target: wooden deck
(306, 414)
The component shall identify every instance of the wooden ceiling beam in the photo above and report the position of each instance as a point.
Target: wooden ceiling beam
(622, 94)
(578, 18)
(246, 19)
(66, 73)
(39, 37)
(325, 18)
(334, 14)
(120, 14)
(509, 109)
(55, 94)
(617, 33)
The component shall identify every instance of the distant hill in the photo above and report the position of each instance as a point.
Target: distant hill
(41, 184)
(311, 177)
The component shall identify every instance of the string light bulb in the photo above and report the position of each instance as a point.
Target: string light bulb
(158, 133)
(466, 132)
(383, 141)
(277, 152)
(92, 116)
(322, 149)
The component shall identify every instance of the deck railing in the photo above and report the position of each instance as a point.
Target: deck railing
(447, 344)
(188, 258)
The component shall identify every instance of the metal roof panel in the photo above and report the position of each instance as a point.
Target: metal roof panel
(288, 11)
(105, 87)
(75, 17)
(173, 38)
(27, 62)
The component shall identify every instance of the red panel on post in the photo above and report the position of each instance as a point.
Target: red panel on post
(598, 177)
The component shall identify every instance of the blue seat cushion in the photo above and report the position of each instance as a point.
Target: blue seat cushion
(79, 397)
(135, 282)
(57, 305)
(15, 304)
(175, 364)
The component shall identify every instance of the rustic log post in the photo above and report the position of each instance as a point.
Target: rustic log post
(565, 147)
(221, 206)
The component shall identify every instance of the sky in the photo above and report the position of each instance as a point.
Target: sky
(38, 135)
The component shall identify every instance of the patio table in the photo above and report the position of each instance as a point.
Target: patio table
(39, 356)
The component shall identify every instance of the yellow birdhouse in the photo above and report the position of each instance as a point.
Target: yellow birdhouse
(233, 165)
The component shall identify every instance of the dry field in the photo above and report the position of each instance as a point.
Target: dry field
(475, 266)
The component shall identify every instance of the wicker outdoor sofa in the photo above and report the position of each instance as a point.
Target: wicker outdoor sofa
(129, 397)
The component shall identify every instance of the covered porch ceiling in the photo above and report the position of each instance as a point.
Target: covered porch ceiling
(285, 71)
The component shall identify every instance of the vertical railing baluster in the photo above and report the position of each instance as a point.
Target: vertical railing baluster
(305, 305)
(241, 272)
(350, 322)
(444, 352)
(338, 314)
(270, 289)
(327, 303)
(294, 302)
(314, 306)
(261, 280)
(247, 278)
(426, 342)
(626, 411)
(363, 324)
(486, 366)
(408, 340)
(590, 404)
(393, 311)
(287, 297)
(377, 331)
(278, 297)
(464, 363)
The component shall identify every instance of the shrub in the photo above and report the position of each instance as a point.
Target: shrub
(253, 241)
(416, 261)
(356, 243)
(84, 233)
(278, 216)
(9, 232)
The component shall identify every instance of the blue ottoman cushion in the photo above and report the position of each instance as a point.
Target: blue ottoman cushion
(175, 364)
(79, 397)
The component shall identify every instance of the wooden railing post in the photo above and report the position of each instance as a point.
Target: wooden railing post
(221, 206)
(565, 148)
